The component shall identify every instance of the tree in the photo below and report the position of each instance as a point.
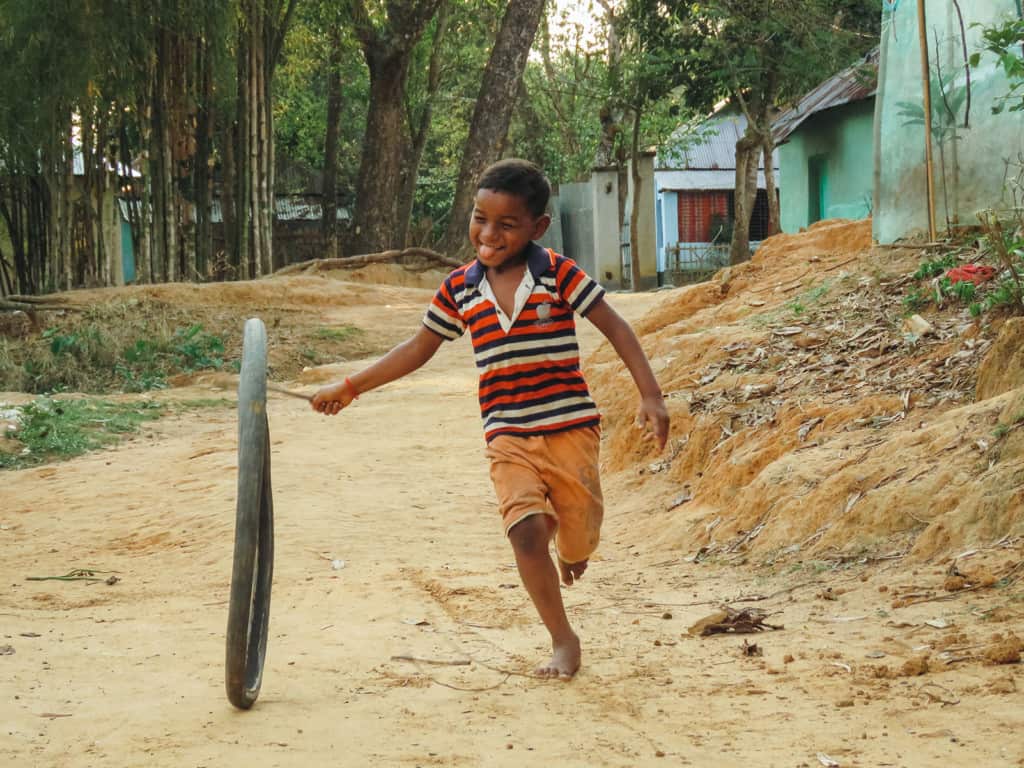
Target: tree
(388, 33)
(763, 54)
(653, 40)
(262, 28)
(493, 111)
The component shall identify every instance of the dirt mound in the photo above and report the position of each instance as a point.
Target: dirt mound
(1003, 367)
(808, 418)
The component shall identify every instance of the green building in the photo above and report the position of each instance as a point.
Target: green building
(826, 150)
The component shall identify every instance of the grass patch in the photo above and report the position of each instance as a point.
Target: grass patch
(52, 429)
(340, 333)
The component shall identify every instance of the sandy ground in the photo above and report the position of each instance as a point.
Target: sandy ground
(131, 674)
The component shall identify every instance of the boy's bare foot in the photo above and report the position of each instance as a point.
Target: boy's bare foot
(571, 572)
(565, 661)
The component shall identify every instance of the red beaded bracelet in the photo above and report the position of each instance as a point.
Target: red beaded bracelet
(352, 388)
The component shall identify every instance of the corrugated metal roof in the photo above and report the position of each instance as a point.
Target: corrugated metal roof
(852, 84)
(287, 208)
(713, 147)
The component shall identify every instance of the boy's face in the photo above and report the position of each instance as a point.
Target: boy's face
(501, 226)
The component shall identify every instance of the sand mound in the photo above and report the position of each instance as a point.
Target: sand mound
(806, 419)
(1003, 367)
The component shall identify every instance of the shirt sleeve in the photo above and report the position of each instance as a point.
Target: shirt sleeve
(442, 316)
(575, 287)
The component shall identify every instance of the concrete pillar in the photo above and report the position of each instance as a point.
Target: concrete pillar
(604, 192)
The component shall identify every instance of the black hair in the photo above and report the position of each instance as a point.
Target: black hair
(521, 178)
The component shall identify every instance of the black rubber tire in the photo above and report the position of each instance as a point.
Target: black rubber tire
(253, 568)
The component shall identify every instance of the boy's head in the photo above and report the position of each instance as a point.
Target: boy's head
(508, 211)
(521, 178)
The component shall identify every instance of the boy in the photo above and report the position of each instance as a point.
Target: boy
(541, 426)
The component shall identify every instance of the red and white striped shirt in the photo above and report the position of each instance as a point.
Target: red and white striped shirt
(530, 378)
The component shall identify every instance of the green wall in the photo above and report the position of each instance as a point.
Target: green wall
(972, 163)
(832, 153)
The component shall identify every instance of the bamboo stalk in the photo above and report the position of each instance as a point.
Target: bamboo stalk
(926, 79)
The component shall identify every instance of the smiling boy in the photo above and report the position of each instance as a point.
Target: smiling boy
(541, 426)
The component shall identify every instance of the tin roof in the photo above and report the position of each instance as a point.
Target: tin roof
(287, 208)
(854, 83)
(707, 146)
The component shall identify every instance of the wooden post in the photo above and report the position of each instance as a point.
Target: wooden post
(926, 78)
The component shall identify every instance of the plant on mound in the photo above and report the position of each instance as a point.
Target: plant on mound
(53, 429)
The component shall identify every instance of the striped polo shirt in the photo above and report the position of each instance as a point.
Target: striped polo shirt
(530, 378)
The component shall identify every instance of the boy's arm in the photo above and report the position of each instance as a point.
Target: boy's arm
(400, 361)
(652, 411)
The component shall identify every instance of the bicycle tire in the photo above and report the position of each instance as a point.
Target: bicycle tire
(253, 563)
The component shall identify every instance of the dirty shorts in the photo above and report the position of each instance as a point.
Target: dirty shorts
(555, 475)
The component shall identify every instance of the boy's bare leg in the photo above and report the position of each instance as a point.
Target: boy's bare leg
(530, 540)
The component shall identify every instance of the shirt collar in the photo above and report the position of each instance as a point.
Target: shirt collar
(537, 259)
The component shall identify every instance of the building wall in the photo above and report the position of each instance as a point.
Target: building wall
(970, 163)
(843, 138)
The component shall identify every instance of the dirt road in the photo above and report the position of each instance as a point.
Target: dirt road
(396, 488)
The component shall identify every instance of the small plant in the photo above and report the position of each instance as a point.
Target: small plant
(915, 300)
(197, 350)
(935, 267)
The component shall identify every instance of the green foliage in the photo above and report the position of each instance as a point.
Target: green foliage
(197, 350)
(916, 299)
(57, 429)
(1006, 42)
(934, 267)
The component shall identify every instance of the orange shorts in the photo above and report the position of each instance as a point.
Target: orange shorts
(555, 475)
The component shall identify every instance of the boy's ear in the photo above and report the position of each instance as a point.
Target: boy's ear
(540, 226)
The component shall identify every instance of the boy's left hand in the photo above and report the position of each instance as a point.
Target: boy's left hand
(654, 416)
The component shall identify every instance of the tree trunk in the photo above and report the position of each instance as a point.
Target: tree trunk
(634, 214)
(263, 25)
(493, 112)
(747, 150)
(421, 130)
(329, 198)
(375, 227)
(768, 150)
(202, 177)
(378, 184)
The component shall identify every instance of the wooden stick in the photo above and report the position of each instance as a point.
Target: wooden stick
(290, 392)
(437, 662)
(929, 166)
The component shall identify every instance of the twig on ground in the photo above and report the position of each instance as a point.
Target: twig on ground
(438, 662)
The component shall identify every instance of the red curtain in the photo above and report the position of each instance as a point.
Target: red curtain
(696, 207)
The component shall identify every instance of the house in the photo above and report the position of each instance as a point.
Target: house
(296, 234)
(695, 184)
(588, 215)
(974, 151)
(826, 149)
(112, 218)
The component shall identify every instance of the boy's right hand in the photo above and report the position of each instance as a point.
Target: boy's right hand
(332, 398)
